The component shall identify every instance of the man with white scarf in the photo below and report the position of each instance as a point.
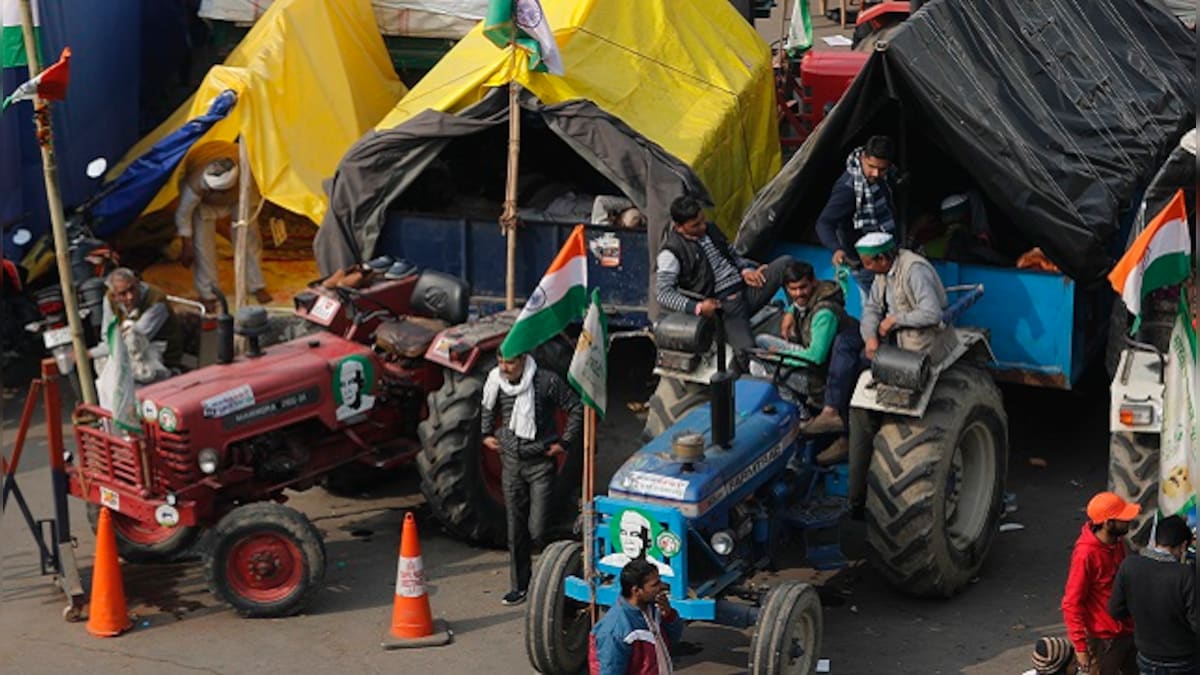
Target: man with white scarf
(523, 399)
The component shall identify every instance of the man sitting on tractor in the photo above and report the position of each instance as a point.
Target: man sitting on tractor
(138, 306)
(817, 330)
(862, 201)
(906, 302)
(525, 398)
(699, 273)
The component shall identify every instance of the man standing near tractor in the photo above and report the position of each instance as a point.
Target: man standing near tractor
(1103, 644)
(524, 400)
(635, 636)
(905, 303)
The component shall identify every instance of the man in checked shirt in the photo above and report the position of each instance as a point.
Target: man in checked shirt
(699, 272)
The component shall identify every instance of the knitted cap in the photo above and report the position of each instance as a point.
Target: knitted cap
(1050, 654)
(875, 243)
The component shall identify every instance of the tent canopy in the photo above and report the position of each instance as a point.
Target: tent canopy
(1057, 112)
(310, 77)
(694, 110)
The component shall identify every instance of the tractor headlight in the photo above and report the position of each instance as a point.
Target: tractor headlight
(149, 411)
(168, 421)
(722, 542)
(208, 460)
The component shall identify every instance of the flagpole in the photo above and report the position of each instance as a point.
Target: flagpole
(589, 481)
(41, 117)
(239, 227)
(508, 219)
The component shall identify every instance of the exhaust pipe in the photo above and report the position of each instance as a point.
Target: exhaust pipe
(224, 329)
(722, 406)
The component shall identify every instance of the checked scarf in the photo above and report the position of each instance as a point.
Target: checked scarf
(865, 193)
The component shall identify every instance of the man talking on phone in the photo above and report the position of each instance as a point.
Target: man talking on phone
(635, 636)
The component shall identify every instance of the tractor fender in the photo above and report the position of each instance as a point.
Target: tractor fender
(459, 347)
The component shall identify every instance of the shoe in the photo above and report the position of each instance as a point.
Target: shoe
(836, 453)
(513, 598)
(825, 423)
(262, 296)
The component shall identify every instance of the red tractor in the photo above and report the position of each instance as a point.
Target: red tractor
(219, 446)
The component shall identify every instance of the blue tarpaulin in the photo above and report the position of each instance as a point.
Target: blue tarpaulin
(129, 194)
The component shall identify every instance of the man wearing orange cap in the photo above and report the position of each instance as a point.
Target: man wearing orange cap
(1103, 644)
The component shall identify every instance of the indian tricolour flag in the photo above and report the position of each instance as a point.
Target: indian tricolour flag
(12, 43)
(1158, 258)
(523, 23)
(559, 299)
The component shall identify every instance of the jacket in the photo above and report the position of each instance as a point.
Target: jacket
(622, 644)
(170, 331)
(550, 395)
(835, 225)
(1158, 593)
(695, 274)
(1094, 566)
(827, 297)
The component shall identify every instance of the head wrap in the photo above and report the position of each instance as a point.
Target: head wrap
(875, 243)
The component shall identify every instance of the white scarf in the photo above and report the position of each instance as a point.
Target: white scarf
(523, 420)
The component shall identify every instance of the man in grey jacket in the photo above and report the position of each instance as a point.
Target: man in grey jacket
(522, 400)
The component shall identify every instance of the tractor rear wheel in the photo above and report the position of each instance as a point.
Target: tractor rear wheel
(139, 542)
(935, 487)
(787, 638)
(461, 480)
(556, 627)
(267, 560)
(672, 400)
(1133, 473)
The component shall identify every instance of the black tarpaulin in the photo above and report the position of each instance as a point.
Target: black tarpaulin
(1058, 111)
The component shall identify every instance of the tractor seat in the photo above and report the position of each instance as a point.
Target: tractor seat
(407, 337)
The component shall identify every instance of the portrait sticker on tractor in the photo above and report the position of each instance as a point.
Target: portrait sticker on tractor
(353, 379)
(238, 398)
(632, 535)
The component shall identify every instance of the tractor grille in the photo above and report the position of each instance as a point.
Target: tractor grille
(110, 457)
(176, 467)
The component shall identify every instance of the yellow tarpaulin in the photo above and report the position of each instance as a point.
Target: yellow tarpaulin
(311, 77)
(691, 75)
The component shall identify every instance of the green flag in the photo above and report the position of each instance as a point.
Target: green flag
(589, 367)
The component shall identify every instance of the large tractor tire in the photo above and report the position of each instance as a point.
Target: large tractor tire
(139, 542)
(556, 627)
(267, 560)
(672, 400)
(1133, 473)
(935, 487)
(461, 480)
(787, 639)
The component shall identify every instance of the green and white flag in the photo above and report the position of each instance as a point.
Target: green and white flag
(116, 388)
(12, 42)
(559, 299)
(589, 366)
(523, 23)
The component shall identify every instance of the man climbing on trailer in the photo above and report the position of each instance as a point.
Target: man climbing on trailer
(904, 305)
(817, 330)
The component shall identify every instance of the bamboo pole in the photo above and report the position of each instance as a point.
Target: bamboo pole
(508, 219)
(58, 227)
(589, 482)
(239, 227)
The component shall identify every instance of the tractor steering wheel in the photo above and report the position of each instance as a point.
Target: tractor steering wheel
(781, 373)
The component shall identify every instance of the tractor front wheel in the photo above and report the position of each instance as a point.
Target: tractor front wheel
(556, 627)
(935, 487)
(139, 542)
(787, 640)
(266, 561)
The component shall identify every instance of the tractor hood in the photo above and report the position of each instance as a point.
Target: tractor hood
(766, 429)
(254, 393)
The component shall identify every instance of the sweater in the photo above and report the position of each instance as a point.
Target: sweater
(1159, 594)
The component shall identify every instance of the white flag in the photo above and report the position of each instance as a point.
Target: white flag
(532, 20)
(589, 366)
(116, 387)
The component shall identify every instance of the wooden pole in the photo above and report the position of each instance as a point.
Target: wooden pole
(589, 482)
(41, 116)
(508, 220)
(239, 227)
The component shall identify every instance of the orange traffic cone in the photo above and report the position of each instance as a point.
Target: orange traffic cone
(107, 615)
(412, 620)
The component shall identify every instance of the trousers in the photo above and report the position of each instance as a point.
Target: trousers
(527, 485)
(204, 243)
(1115, 656)
(741, 306)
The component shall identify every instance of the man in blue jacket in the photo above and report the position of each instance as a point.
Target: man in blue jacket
(862, 201)
(635, 635)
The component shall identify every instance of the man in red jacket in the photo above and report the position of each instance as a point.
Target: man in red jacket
(1103, 644)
